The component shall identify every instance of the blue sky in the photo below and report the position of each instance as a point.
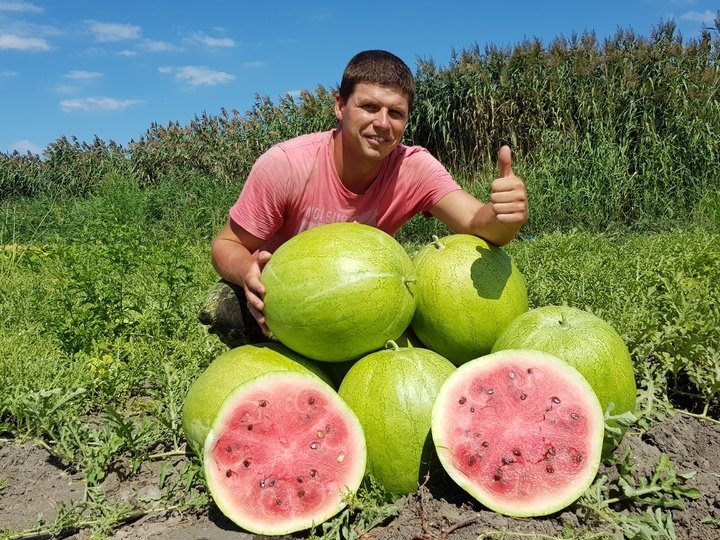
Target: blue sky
(90, 68)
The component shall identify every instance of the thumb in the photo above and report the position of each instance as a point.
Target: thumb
(505, 161)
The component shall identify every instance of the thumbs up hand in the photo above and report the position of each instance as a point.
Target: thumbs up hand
(508, 196)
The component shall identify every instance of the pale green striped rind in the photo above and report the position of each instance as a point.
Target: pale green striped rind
(392, 393)
(228, 371)
(583, 340)
(339, 291)
(467, 292)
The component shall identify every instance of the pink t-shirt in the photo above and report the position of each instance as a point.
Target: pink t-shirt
(294, 186)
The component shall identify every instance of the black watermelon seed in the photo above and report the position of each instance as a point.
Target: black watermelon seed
(263, 403)
(313, 473)
(228, 473)
(574, 416)
(462, 400)
(549, 469)
(246, 463)
(301, 493)
(498, 475)
(516, 452)
(523, 396)
(311, 400)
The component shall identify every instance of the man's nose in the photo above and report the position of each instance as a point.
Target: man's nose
(382, 119)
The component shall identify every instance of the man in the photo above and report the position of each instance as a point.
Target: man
(360, 172)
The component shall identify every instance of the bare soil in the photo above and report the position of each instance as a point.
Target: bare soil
(33, 486)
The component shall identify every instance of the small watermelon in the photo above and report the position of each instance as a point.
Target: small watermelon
(227, 371)
(392, 393)
(283, 454)
(338, 291)
(519, 430)
(467, 292)
(583, 340)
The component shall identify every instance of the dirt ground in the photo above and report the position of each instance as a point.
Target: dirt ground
(33, 485)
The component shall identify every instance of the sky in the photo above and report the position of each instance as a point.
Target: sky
(89, 68)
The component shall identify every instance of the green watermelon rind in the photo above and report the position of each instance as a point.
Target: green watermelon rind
(555, 501)
(282, 527)
(467, 292)
(392, 393)
(338, 291)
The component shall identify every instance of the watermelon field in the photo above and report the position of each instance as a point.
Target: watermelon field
(104, 264)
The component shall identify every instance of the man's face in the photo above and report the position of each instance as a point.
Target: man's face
(373, 120)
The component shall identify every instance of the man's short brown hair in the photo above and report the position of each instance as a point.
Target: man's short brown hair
(377, 67)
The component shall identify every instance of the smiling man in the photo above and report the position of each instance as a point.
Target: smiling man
(359, 171)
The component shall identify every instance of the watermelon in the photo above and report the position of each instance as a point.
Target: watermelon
(338, 291)
(392, 393)
(283, 454)
(227, 371)
(519, 430)
(586, 342)
(467, 292)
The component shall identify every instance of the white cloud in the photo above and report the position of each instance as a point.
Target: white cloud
(128, 53)
(66, 89)
(19, 43)
(705, 17)
(107, 32)
(159, 46)
(79, 74)
(97, 104)
(8, 74)
(211, 41)
(20, 7)
(199, 75)
(25, 146)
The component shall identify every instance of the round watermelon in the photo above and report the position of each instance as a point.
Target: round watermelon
(284, 453)
(467, 292)
(339, 291)
(227, 371)
(583, 340)
(392, 393)
(519, 430)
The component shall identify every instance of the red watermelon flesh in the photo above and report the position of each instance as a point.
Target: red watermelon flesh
(283, 454)
(519, 430)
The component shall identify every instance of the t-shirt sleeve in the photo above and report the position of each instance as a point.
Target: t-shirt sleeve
(260, 208)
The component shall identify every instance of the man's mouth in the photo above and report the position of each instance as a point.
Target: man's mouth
(377, 139)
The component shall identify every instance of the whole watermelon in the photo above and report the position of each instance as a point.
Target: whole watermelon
(392, 393)
(583, 340)
(467, 292)
(225, 373)
(339, 291)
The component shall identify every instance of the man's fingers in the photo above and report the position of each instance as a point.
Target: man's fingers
(505, 162)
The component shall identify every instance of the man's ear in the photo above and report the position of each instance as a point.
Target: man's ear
(339, 104)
